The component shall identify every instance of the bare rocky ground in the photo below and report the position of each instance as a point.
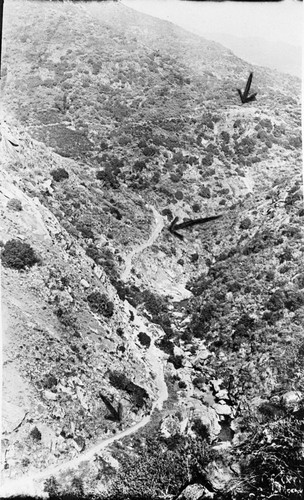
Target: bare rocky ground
(116, 123)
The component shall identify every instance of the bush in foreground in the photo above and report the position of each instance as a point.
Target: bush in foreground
(18, 255)
(160, 468)
(273, 462)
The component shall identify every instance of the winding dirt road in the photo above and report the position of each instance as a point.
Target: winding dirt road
(159, 224)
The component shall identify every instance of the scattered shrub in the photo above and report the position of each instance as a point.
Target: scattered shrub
(18, 255)
(200, 429)
(200, 322)
(139, 166)
(205, 192)
(207, 160)
(196, 207)
(142, 144)
(245, 223)
(225, 136)
(108, 178)
(59, 174)
(194, 257)
(156, 178)
(294, 300)
(49, 381)
(177, 361)
(286, 255)
(116, 164)
(101, 304)
(244, 325)
(176, 176)
(260, 241)
(149, 151)
(179, 195)
(85, 230)
(14, 204)
(66, 318)
(35, 434)
(94, 253)
(120, 332)
(144, 339)
(276, 301)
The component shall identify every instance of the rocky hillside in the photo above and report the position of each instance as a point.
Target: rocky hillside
(115, 124)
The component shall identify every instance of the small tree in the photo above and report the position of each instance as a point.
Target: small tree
(51, 486)
(77, 487)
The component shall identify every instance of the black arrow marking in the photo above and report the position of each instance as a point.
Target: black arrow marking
(13, 143)
(174, 226)
(245, 97)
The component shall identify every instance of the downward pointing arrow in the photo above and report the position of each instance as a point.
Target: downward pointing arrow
(245, 97)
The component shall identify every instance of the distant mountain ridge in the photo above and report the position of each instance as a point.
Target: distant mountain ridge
(281, 56)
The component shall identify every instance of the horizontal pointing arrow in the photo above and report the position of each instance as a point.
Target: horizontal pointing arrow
(174, 226)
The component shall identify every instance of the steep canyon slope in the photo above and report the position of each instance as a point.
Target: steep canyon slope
(115, 123)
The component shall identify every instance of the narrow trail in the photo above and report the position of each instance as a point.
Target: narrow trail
(33, 484)
(159, 224)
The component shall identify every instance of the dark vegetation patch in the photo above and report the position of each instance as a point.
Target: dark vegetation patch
(65, 141)
(261, 240)
(85, 229)
(144, 339)
(105, 258)
(35, 434)
(18, 255)
(109, 177)
(100, 303)
(59, 174)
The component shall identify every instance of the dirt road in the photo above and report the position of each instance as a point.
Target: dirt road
(159, 224)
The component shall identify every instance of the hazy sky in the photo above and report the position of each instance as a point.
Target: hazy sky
(278, 21)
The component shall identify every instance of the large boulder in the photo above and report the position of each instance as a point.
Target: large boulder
(291, 398)
(207, 416)
(195, 492)
(219, 475)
